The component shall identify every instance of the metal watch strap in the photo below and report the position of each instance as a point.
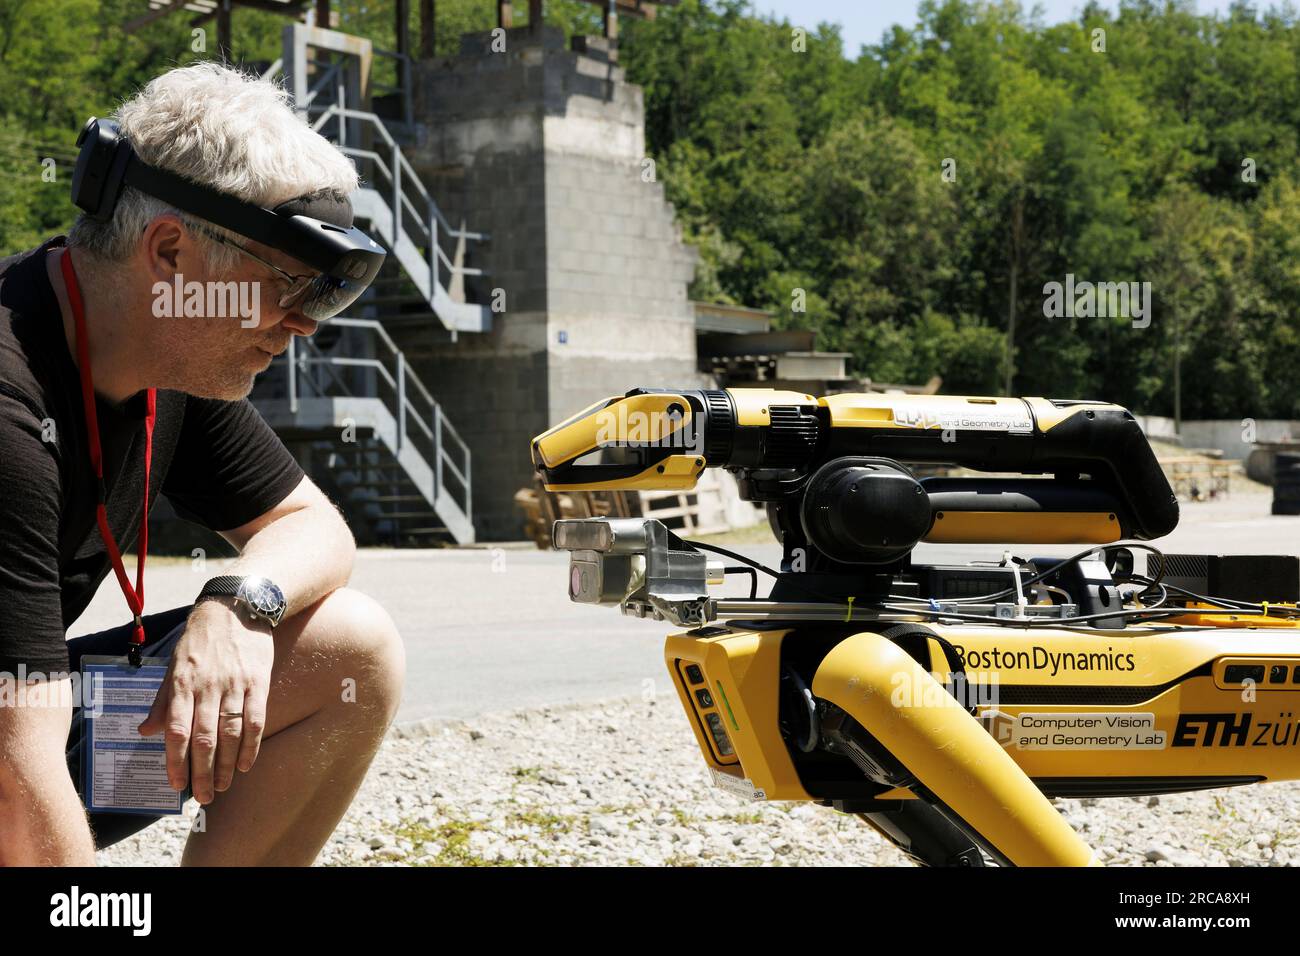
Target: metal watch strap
(233, 586)
(224, 585)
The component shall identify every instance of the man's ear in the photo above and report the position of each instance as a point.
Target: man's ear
(169, 248)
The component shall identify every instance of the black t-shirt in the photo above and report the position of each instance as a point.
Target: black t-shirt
(218, 463)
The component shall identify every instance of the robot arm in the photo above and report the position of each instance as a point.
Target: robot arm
(1101, 481)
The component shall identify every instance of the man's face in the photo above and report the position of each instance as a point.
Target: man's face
(240, 326)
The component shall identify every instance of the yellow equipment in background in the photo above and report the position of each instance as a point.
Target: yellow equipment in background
(942, 703)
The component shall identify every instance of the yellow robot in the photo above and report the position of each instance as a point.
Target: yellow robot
(943, 704)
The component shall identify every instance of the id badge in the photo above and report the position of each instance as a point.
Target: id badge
(122, 771)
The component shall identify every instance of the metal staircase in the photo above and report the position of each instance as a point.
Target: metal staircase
(361, 423)
(392, 199)
(373, 436)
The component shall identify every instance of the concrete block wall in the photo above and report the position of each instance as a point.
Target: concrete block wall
(1228, 435)
(617, 311)
(544, 149)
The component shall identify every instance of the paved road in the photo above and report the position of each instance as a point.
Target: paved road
(493, 630)
(485, 631)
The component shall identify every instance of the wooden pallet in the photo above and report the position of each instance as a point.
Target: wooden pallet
(1196, 479)
(702, 510)
(541, 508)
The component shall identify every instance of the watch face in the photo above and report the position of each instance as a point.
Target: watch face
(262, 596)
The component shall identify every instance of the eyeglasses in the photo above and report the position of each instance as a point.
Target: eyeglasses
(325, 295)
(297, 284)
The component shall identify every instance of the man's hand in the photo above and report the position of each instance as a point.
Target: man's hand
(221, 666)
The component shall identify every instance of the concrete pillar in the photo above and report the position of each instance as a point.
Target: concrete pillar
(544, 148)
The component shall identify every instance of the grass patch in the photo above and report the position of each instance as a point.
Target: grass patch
(454, 837)
(549, 823)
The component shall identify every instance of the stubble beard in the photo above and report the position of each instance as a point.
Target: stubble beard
(208, 372)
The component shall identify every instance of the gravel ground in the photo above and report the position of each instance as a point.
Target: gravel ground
(622, 783)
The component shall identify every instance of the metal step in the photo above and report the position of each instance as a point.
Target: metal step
(396, 473)
(372, 475)
(379, 300)
(354, 462)
(372, 486)
(392, 278)
(398, 320)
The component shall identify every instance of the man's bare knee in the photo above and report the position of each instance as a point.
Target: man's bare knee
(367, 651)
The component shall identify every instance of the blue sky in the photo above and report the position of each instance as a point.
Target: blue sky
(865, 20)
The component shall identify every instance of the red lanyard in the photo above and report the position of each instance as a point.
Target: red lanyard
(134, 596)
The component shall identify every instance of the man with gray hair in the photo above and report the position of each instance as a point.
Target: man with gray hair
(109, 395)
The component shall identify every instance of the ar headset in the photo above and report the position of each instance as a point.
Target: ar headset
(314, 230)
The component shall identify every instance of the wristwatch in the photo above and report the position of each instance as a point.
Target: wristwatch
(258, 596)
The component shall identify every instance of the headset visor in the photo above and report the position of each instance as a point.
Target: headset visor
(325, 295)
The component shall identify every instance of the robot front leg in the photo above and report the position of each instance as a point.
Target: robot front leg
(961, 773)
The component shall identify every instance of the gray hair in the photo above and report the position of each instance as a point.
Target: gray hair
(223, 128)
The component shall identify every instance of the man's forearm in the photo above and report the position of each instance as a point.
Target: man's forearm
(42, 821)
(308, 553)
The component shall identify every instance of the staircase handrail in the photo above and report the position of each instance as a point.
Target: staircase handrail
(404, 383)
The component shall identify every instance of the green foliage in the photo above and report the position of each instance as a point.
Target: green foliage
(61, 62)
(809, 176)
(909, 201)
